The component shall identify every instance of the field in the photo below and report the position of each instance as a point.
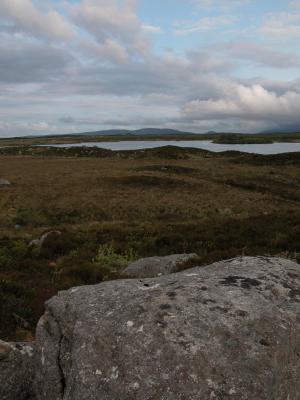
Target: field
(111, 208)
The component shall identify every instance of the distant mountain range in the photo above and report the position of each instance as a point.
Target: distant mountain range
(137, 132)
(120, 132)
(163, 131)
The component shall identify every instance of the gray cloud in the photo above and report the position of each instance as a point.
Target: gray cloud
(94, 66)
(67, 120)
(196, 74)
(27, 61)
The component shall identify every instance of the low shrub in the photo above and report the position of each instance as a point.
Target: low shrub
(112, 261)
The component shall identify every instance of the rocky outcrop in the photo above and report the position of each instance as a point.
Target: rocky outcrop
(230, 330)
(4, 182)
(16, 371)
(157, 266)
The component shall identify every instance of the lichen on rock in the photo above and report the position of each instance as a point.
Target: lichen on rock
(230, 330)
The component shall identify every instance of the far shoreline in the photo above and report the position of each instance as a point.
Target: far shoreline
(217, 138)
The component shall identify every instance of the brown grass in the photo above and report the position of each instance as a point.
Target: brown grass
(142, 206)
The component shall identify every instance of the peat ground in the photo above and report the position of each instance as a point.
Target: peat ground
(113, 207)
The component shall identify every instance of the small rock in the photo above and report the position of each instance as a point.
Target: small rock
(157, 266)
(4, 182)
(5, 349)
(52, 264)
(39, 243)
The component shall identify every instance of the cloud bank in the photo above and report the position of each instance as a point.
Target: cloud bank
(96, 64)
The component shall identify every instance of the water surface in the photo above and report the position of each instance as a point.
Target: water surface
(274, 148)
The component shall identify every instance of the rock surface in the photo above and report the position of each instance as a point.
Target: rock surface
(226, 331)
(4, 182)
(157, 266)
(16, 371)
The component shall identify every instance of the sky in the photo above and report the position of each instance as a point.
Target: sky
(195, 65)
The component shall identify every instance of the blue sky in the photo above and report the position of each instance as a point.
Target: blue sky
(246, 18)
(196, 65)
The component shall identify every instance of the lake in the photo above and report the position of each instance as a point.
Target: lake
(274, 148)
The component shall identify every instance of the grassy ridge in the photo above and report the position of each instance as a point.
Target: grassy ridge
(113, 207)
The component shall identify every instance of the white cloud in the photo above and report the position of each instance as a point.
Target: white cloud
(10, 129)
(295, 4)
(205, 24)
(109, 49)
(27, 18)
(151, 29)
(246, 103)
(112, 19)
(259, 54)
(220, 3)
(282, 25)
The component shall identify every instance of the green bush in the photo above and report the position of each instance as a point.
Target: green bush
(108, 257)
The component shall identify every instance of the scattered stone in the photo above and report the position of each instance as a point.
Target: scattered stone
(230, 330)
(4, 182)
(157, 266)
(16, 371)
(52, 264)
(5, 349)
(38, 244)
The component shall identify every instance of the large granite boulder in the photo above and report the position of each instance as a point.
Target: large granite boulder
(156, 266)
(16, 371)
(230, 330)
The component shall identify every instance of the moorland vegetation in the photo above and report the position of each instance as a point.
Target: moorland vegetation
(114, 207)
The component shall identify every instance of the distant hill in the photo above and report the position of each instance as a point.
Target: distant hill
(157, 131)
(108, 132)
(138, 132)
(164, 131)
(120, 132)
